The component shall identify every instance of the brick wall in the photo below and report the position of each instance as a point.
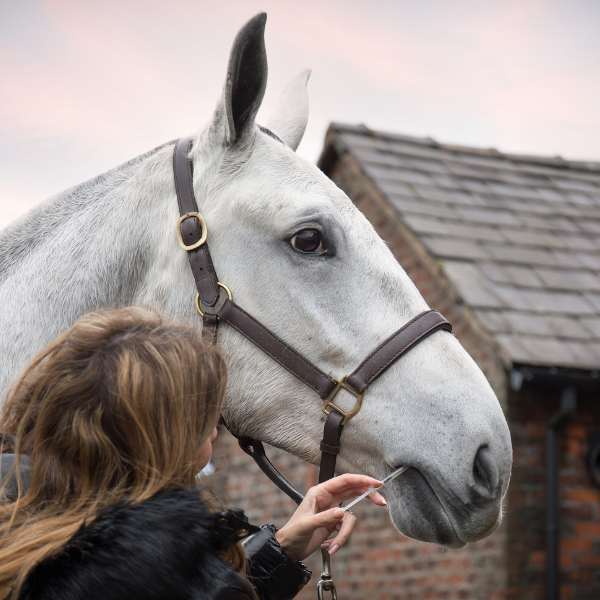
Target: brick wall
(377, 562)
(529, 412)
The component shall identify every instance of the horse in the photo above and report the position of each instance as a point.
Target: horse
(300, 257)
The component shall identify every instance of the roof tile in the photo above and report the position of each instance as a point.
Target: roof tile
(494, 217)
(425, 225)
(528, 324)
(594, 300)
(525, 237)
(433, 192)
(451, 248)
(406, 204)
(512, 274)
(493, 320)
(473, 288)
(591, 261)
(561, 279)
(402, 175)
(590, 226)
(569, 328)
(559, 302)
(475, 232)
(592, 325)
(520, 255)
(550, 224)
(575, 185)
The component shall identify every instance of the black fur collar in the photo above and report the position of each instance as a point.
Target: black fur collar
(158, 549)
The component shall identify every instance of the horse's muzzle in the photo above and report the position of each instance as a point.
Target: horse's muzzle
(431, 512)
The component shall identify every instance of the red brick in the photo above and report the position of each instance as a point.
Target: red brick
(579, 513)
(575, 447)
(576, 544)
(566, 591)
(590, 495)
(588, 529)
(589, 560)
(566, 561)
(577, 431)
(538, 559)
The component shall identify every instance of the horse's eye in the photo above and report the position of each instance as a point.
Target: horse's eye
(308, 240)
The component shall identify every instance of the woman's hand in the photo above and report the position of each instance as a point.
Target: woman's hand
(319, 515)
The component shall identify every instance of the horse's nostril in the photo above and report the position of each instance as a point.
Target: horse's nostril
(484, 472)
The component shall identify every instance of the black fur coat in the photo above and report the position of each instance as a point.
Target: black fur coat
(165, 548)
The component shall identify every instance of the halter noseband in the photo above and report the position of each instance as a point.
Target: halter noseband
(192, 235)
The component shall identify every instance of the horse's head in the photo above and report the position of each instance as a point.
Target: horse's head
(302, 259)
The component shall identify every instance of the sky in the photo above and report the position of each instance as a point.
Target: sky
(86, 84)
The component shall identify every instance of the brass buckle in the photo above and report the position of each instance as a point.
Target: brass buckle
(202, 225)
(329, 400)
(220, 285)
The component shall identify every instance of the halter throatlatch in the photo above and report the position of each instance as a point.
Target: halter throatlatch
(192, 234)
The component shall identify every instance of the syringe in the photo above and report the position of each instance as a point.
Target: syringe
(372, 489)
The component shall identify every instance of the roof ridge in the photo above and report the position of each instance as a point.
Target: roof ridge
(551, 161)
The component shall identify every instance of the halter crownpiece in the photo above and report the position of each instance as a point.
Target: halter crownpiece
(192, 234)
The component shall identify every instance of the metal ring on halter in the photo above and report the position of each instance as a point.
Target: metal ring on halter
(220, 285)
(341, 383)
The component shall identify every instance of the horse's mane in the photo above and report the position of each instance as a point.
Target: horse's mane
(22, 234)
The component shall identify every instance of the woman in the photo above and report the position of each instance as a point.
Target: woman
(115, 418)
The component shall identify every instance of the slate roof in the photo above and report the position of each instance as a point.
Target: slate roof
(518, 236)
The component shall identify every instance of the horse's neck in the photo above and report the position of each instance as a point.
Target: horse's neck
(90, 247)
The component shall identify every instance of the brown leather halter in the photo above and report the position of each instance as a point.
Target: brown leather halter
(192, 234)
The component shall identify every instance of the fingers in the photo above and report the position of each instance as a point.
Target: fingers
(350, 494)
(347, 526)
(327, 518)
(336, 490)
(378, 499)
(344, 483)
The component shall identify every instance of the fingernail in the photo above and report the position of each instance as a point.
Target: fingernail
(384, 501)
(333, 549)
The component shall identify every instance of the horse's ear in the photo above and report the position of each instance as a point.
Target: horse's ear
(246, 78)
(290, 116)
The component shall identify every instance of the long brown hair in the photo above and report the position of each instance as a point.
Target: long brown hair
(117, 407)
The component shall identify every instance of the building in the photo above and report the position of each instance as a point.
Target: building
(506, 247)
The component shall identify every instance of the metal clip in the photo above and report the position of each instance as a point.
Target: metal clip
(326, 583)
